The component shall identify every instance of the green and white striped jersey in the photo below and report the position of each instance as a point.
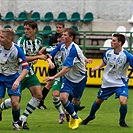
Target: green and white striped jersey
(49, 48)
(30, 48)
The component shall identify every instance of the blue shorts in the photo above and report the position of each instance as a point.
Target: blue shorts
(74, 89)
(7, 82)
(105, 93)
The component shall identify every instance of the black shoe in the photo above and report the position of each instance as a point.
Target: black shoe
(1, 116)
(81, 107)
(123, 124)
(67, 115)
(41, 106)
(23, 124)
(85, 121)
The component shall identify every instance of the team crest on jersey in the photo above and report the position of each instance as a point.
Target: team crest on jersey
(0, 51)
(11, 55)
(30, 53)
(114, 58)
(63, 49)
(120, 60)
(108, 56)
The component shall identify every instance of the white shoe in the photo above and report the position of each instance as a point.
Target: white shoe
(15, 126)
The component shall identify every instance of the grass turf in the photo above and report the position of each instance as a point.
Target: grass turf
(46, 121)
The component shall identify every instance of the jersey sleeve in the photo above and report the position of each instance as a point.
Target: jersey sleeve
(129, 58)
(105, 54)
(57, 48)
(22, 58)
(20, 41)
(70, 59)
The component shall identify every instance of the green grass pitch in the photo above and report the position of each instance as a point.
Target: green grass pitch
(46, 121)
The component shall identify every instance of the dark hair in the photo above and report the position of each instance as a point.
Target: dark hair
(60, 23)
(71, 32)
(121, 38)
(59, 36)
(31, 23)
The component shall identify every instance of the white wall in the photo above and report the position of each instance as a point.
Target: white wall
(106, 12)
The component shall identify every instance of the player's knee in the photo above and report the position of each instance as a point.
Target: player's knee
(63, 99)
(38, 96)
(15, 105)
(55, 94)
(123, 103)
(76, 102)
(99, 101)
(37, 93)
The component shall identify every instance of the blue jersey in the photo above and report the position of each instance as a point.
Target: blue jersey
(73, 58)
(11, 59)
(116, 67)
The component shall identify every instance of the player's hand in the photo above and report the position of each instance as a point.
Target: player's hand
(15, 85)
(95, 68)
(42, 57)
(50, 64)
(49, 78)
(88, 61)
(34, 62)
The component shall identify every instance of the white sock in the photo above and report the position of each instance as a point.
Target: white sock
(6, 104)
(31, 106)
(57, 103)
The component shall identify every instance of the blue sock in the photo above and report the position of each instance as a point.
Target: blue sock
(70, 109)
(16, 114)
(94, 108)
(76, 107)
(123, 112)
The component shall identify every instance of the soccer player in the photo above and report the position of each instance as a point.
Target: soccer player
(57, 85)
(114, 79)
(52, 42)
(30, 44)
(11, 57)
(74, 75)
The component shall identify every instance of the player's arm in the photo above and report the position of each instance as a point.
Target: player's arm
(64, 70)
(36, 57)
(48, 57)
(54, 51)
(52, 54)
(87, 60)
(98, 67)
(40, 55)
(42, 51)
(51, 65)
(25, 69)
(20, 78)
(130, 59)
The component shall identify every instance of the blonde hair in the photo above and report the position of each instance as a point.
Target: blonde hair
(10, 33)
